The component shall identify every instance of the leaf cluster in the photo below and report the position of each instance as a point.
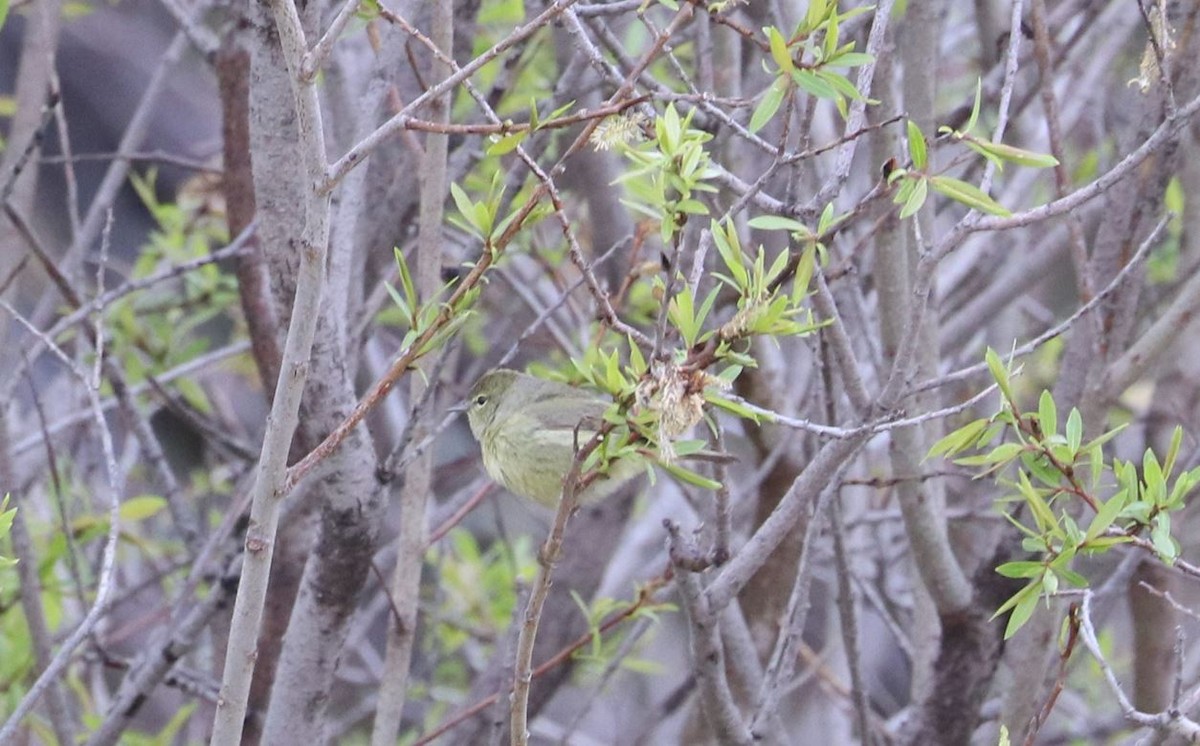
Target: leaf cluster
(420, 315)
(170, 324)
(805, 61)
(915, 182)
(667, 172)
(1058, 477)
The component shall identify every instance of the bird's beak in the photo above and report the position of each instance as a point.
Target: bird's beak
(459, 408)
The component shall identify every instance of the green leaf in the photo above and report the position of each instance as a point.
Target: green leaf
(706, 306)
(831, 35)
(1102, 439)
(851, 59)
(534, 122)
(561, 110)
(507, 143)
(769, 104)
(969, 195)
(1183, 485)
(1049, 584)
(828, 220)
(812, 84)
(637, 361)
(999, 373)
(484, 217)
(779, 50)
(778, 223)
(1038, 506)
(1001, 454)
(4, 5)
(141, 507)
(1160, 536)
(841, 84)
(736, 408)
(989, 155)
(690, 477)
(1105, 517)
(777, 266)
(466, 208)
(1011, 154)
(730, 250)
(1021, 569)
(1073, 577)
(1156, 486)
(1172, 451)
(1047, 414)
(958, 440)
(6, 517)
(814, 15)
(670, 130)
(682, 313)
(805, 269)
(975, 107)
(916, 146)
(1101, 543)
(1023, 605)
(916, 198)
(411, 300)
(1074, 430)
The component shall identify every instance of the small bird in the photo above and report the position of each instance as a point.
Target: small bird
(528, 429)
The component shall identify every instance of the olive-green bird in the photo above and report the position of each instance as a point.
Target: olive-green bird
(526, 428)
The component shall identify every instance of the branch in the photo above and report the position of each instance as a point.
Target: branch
(281, 422)
(708, 655)
(1172, 721)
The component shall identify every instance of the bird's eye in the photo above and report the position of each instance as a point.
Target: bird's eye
(480, 400)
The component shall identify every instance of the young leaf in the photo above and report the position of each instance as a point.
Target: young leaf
(690, 477)
(1011, 154)
(682, 313)
(1160, 536)
(851, 59)
(999, 373)
(804, 273)
(958, 440)
(969, 194)
(1038, 506)
(730, 250)
(1105, 517)
(778, 223)
(830, 47)
(637, 361)
(1074, 430)
(975, 107)
(1021, 569)
(1047, 414)
(916, 146)
(769, 104)
(466, 208)
(813, 84)
(1172, 451)
(916, 198)
(779, 50)
(1027, 599)
(507, 143)
(141, 507)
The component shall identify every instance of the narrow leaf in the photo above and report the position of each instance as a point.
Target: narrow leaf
(916, 198)
(779, 50)
(916, 146)
(969, 195)
(769, 104)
